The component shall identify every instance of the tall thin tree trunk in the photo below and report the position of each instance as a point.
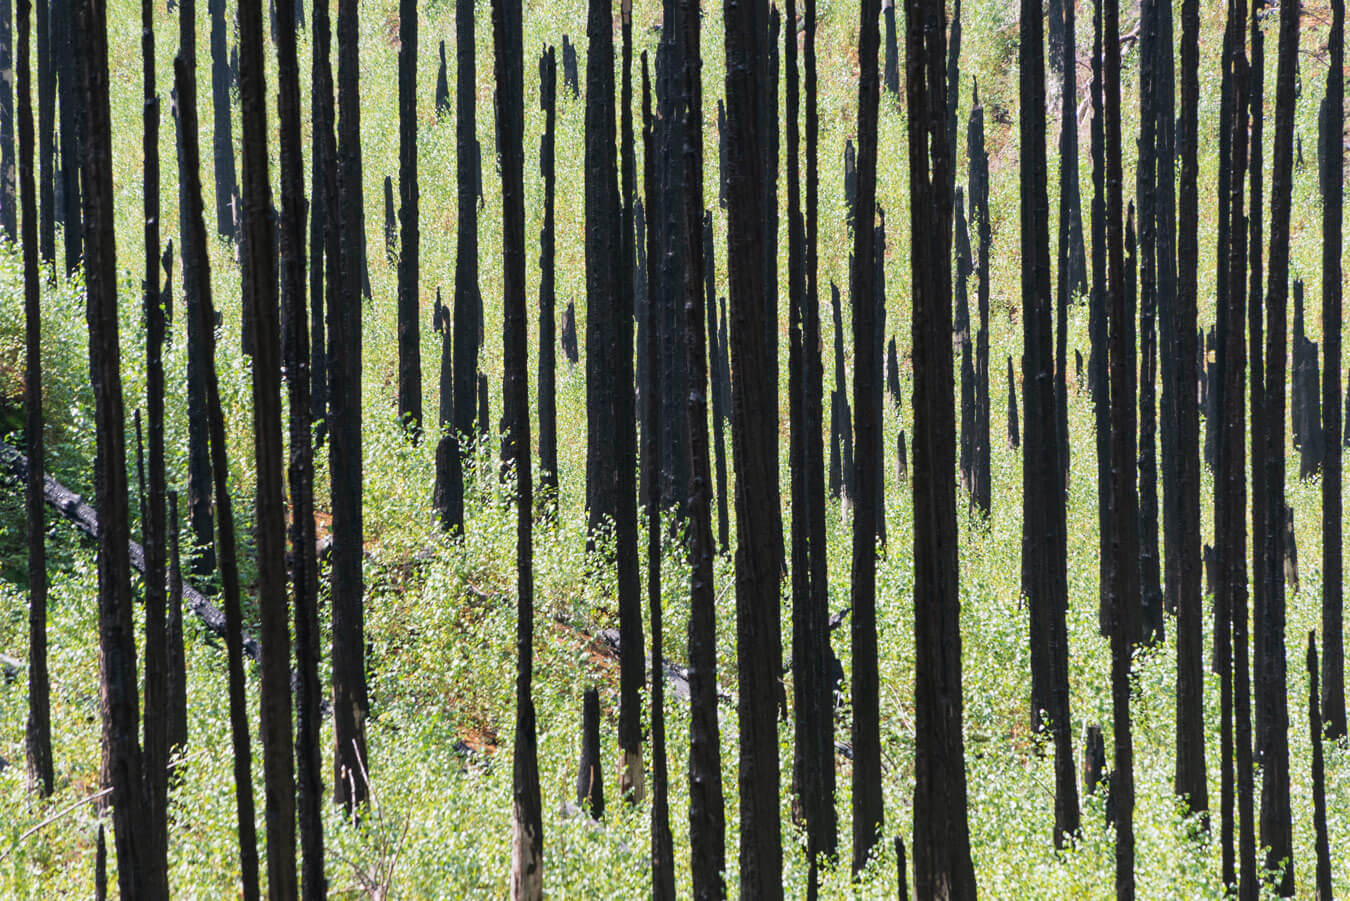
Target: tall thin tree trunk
(1333, 642)
(350, 703)
(176, 690)
(1150, 621)
(222, 132)
(548, 401)
(46, 137)
(409, 260)
(1098, 328)
(38, 743)
(979, 217)
(1323, 879)
(9, 219)
(942, 862)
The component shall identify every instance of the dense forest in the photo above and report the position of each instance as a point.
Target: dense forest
(484, 449)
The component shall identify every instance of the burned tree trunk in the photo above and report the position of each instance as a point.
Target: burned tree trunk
(38, 732)
(9, 219)
(879, 355)
(1044, 530)
(324, 248)
(942, 863)
(1098, 328)
(590, 775)
(138, 875)
(964, 267)
(719, 377)
(1333, 642)
(1272, 740)
(390, 224)
(1150, 623)
(222, 134)
(890, 73)
(71, 124)
(46, 136)
(260, 290)
(979, 217)
(176, 667)
(1186, 591)
(1124, 592)
(631, 675)
(868, 809)
(662, 850)
(527, 834)
(548, 400)
(570, 67)
(442, 86)
(197, 284)
(409, 242)
(1306, 402)
(153, 526)
(350, 703)
(1014, 435)
(603, 248)
(1323, 878)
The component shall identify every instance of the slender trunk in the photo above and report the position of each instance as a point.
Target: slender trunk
(9, 219)
(39, 727)
(979, 217)
(324, 216)
(1333, 642)
(1098, 329)
(548, 401)
(718, 386)
(409, 244)
(1150, 621)
(176, 690)
(1323, 881)
(46, 137)
(942, 862)
(69, 80)
(222, 133)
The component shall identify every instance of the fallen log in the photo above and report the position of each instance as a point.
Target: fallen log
(75, 510)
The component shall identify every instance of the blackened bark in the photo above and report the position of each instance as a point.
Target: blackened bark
(842, 411)
(1071, 272)
(70, 122)
(879, 355)
(890, 73)
(390, 223)
(409, 227)
(304, 570)
(46, 137)
(1190, 781)
(153, 526)
(603, 248)
(38, 732)
(1323, 879)
(1149, 623)
(450, 492)
(350, 703)
(570, 67)
(1273, 746)
(176, 667)
(118, 689)
(567, 337)
(590, 775)
(818, 656)
(1333, 642)
(1044, 530)
(868, 808)
(1307, 404)
(442, 86)
(754, 417)
(1164, 106)
(527, 863)
(548, 401)
(979, 217)
(1124, 592)
(662, 850)
(484, 408)
(1098, 330)
(260, 289)
(9, 219)
(721, 154)
(1256, 290)
(718, 379)
(325, 248)
(1094, 759)
(631, 674)
(222, 132)
(942, 862)
(893, 373)
(1014, 435)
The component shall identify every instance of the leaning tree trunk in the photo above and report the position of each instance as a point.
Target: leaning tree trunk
(942, 862)
(137, 875)
(38, 741)
(350, 703)
(1189, 782)
(260, 291)
(1124, 592)
(409, 245)
(527, 835)
(197, 283)
(1333, 642)
(1045, 535)
(868, 809)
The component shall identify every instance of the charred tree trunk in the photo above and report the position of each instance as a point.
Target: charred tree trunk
(590, 775)
(570, 67)
(176, 666)
(662, 850)
(1323, 879)
(1333, 642)
(138, 875)
(1044, 530)
(718, 380)
(409, 243)
(350, 703)
(260, 290)
(1014, 434)
(1124, 592)
(71, 124)
(527, 835)
(942, 863)
(979, 216)
(1099, 329)
(222, 132)
(631, 676)
(9, 219)
(890, 73)
(603, 248)
(1150, 622)
(1184, 581)
(442, 87)
(1276, 829)
(46, 118)
(868, 809)
(153, 526)
(548, 400)
(879, 356)
(197, 284)
(38, 733)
